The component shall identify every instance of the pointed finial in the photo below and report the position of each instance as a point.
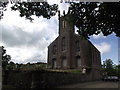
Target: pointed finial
(64, 12)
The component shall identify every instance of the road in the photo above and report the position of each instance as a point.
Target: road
(96, 84)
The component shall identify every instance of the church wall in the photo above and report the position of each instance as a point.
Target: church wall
(60, 54)
(88, 53)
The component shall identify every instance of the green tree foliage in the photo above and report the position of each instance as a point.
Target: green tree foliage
(93, 18)
(5, 58)
(117, 69)
(11, 66)
(3, 6)
(108, 64)
(89, 17)
(28, 9)
(108, 67)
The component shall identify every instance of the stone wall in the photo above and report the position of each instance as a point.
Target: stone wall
(17, 78)
(44, 79)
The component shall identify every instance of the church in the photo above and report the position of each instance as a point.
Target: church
(70, 51)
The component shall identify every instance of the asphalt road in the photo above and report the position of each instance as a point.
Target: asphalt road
(96, 84)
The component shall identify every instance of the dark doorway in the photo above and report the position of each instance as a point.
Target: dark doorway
(54, 63)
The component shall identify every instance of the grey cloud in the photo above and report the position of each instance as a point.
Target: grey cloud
(18, 37)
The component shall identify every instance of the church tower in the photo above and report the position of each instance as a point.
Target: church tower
(65, 25)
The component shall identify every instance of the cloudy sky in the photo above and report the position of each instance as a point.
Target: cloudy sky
(28, 42)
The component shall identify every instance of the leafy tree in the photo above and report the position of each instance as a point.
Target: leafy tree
(38, 9)
(28, 9)
(94, 18)
(109, 68)
(11, 65)
(2, 8)
(5, 58)
(108, 64)
(117, 69)
(89, 17)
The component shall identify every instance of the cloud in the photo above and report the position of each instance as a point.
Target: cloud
(16, 36)
(103, 47)
(28, 54)
(25, 46)
(26, 41)
(98, 36)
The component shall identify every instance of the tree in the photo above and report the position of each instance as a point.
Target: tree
(38, 9)
(109, 68)
(11, 65)
(89, 17)
(2, 8)
(94, 18)
(108, 64)
(117, 69)
(5, 58)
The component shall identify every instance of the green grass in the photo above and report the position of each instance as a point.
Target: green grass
(7, 87)
(75, 71)
(70, 70)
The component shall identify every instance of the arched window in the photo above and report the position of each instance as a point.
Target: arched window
(77, 45)
(54, 49)
(63, 44)
(78, 61)
(64, 24)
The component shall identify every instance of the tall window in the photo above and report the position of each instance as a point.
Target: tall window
(54, 49)
(78, 61)
(77, 45)
(54, 63)
(63, 24)
(63, 44)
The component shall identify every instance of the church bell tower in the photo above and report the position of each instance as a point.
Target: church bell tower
(64, 24)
